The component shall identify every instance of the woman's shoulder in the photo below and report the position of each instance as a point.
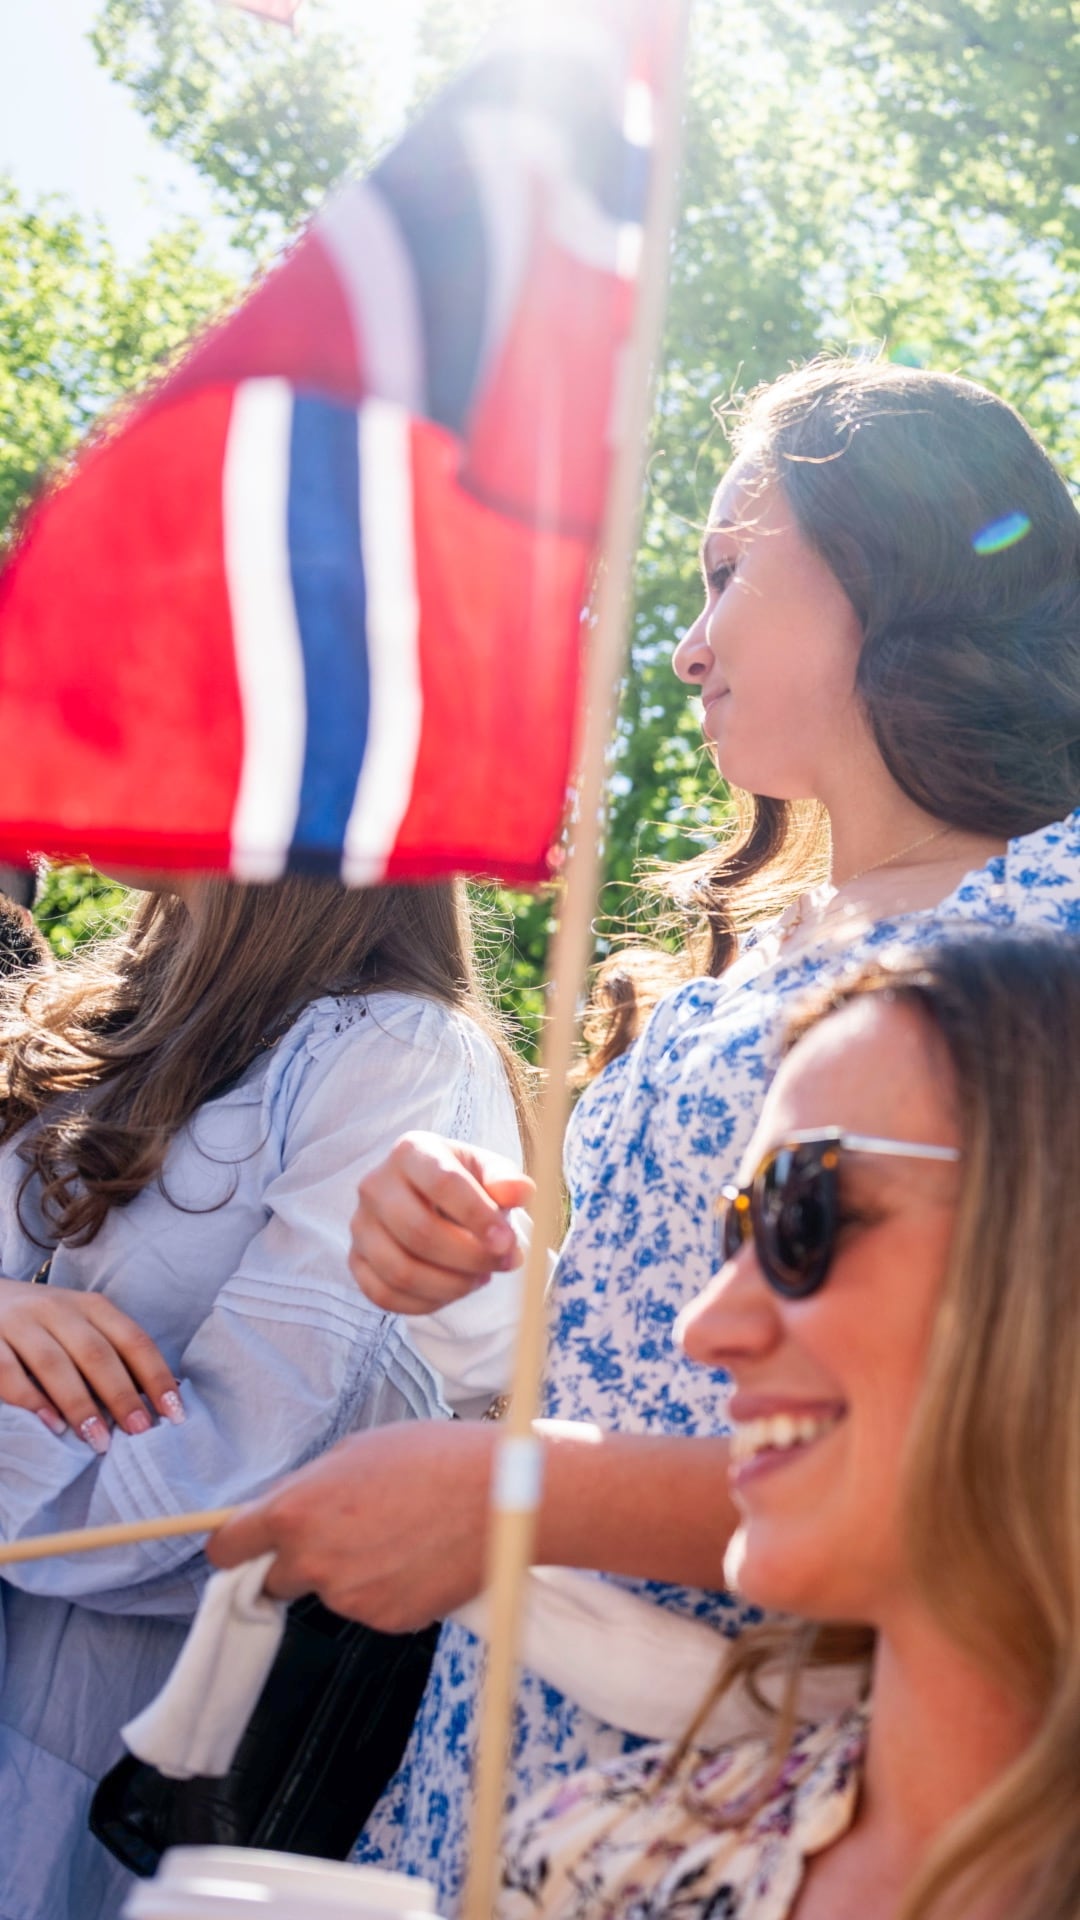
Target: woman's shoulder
(704, 1026)
(402, 1050)
(693, 1003)
(383, 1023)
(1041, 876)
(724, 1831)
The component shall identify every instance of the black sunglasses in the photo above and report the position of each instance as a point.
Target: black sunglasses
(790, 1209)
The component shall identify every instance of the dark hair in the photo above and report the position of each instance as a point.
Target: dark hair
(21, 945)
(114, 1050)
(970, 667)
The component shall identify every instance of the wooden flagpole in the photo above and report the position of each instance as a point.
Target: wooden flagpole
(517, 1474)
(123, 1533)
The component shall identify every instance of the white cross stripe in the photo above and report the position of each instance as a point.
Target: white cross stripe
(362, 236)
(266, 637)
(388, 543)
(505, 190)
(508, 147)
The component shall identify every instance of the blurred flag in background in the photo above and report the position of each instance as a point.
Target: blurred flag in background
(315, 604)
(284, 11)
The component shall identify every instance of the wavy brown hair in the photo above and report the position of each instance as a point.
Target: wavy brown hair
(970, 666)
(113, 1051)
(991, 1505)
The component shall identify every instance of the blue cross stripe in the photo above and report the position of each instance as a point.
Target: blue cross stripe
(327, 568)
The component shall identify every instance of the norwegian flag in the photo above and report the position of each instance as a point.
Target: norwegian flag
(316, 604)
(283, 11)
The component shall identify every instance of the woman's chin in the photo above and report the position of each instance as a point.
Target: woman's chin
(772, 1574)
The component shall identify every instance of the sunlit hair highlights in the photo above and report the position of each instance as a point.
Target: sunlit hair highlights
(970, 666)
(114, 1051)
(992, 1475)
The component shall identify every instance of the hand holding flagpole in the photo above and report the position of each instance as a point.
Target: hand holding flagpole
(410, 409)
(516, 1487)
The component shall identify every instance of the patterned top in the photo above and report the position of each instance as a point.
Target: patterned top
(649, 1147)
(236, 1263)
(702, 1845)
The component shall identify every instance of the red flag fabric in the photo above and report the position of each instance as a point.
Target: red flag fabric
(315, 605)
(284, 11)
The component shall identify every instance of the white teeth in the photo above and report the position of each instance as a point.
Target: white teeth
(777, 1433)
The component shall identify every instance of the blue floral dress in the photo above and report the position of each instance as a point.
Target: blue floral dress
(649, 1147)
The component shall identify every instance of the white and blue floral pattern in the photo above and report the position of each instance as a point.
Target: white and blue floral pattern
(649, 1147)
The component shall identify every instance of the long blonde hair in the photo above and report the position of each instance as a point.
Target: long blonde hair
(113, 1051)
(992, 1475)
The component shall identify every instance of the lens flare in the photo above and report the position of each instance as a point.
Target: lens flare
(1001, 533)
(907, 354)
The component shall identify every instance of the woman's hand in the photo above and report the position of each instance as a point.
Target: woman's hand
(430, 1224)
(65, 1355)
(391, 1526)
(388, 1527)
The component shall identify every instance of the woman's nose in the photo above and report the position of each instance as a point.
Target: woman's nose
(733, 1317)
(692, 658)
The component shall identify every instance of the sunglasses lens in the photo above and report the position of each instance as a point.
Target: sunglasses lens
(797, 1211)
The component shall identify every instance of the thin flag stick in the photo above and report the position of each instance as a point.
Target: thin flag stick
(517, 1473)
(124, 1533)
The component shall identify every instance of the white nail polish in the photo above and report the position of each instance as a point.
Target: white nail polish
(95, 1433)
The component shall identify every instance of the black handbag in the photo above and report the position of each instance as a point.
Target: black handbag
(327, 1734)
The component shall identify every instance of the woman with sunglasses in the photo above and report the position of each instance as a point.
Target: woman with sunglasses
(888, 658)
(899, 1318)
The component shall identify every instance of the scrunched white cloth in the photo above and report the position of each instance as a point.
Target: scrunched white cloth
(194, 1725)
(635, 1665)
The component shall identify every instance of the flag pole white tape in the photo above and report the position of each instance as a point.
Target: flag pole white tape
(512, 1531)
(518, 1475)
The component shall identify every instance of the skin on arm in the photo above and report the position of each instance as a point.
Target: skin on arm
(390, 1527)
(65, 1356)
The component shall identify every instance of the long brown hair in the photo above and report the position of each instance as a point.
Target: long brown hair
(114, 1050)
(969, 672)
(992, 1472)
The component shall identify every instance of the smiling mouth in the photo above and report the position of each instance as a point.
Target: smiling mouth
(777, 1438)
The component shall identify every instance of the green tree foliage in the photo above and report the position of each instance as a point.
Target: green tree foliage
(77, 331)
(74, 905)
(858, 174)
(269, 118)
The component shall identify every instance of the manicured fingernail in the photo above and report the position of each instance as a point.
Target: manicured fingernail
(95, 1433)
(499, 1237)
(171, 1408)
(51, 1420)
(138, 1422)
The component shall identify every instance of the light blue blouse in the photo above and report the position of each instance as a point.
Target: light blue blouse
(236, 1265)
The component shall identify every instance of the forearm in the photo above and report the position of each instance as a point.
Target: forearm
(391, 1526)
(657, 1507)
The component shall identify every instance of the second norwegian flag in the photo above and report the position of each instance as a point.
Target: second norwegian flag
(316, 605)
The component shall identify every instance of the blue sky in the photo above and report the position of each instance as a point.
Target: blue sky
(65, 128)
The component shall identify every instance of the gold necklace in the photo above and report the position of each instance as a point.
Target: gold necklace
(890, 860)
